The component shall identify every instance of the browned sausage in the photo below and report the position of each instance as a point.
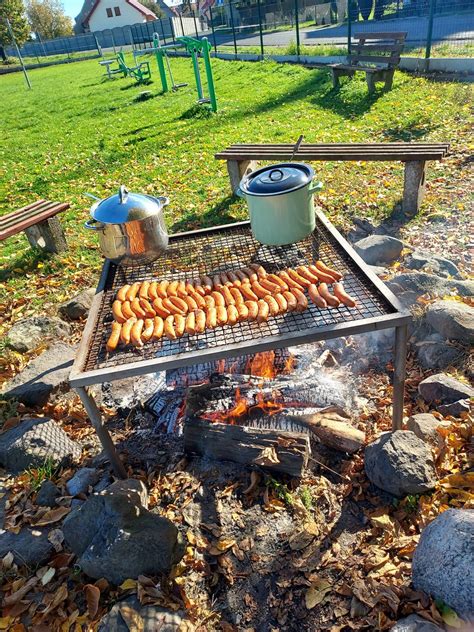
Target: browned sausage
(153, 290)
(148, 328)
(114, 337)
(331, 300)
(329, 271)
(191, 303)
(199, 300)
(221, 313)
(122, 293)
(179, 324)
(242, 310)
(171, 307)
(251, 274)
(200, 321)
(218, 298)
(291, 301)
(136, 333)
(298, 278)
(289, 281)
(342, 295)
(268, 285)
(137, 308)
(260, 270)
(232, 315)
(189, 287)
(158, 326)
(316, 297)
(180, 304)
(322, 276)
(211, 318)
(126, 330)
(263, 311)
(272, 305)
(248, 293)
(228, 298)
(133, 291)
(216, 282)
(147, 308)
(161, 289)
(172, 289)
(274, 278)
(259, 290)
(144, 287)
(244, 278)
(301, 300)
(207, 284)
(234, 279)
(252, 307)
(190, 323)
(127, 310)
(198, 288)
(169, 328)
(237, 295)
(160, 309)
(210, 302)
(306, 273)
(117, 312)
(225, 279)
(282, 303)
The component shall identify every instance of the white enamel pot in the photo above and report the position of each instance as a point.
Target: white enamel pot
(280, 201)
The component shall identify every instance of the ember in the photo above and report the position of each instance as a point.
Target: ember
(243, 410)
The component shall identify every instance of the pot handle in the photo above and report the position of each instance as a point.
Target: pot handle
(90, 225)
(315, 186)
(164, 200)
(239, 192)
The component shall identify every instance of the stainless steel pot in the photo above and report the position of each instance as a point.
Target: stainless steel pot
(131, 226)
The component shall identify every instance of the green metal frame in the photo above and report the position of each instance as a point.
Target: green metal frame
(141, 72)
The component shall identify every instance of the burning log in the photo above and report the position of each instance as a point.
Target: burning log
(332, 429)
(277, 451)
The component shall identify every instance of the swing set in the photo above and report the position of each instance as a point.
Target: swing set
(195, 48)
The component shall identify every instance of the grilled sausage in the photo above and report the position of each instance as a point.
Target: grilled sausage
(147, 308)
(179, 324)
(158, 326)
(251, 274)
(306, 273)
(148, 328)
(298, 278)
(169, 328)
(171, 307)
(322, 276)
(198, 287)
(232, 315)
(283, 274)
(126, 330)
(274, 278)
(199, 300)
(133, 291)
(228, 298)
(211, 318)
(237, 295)
(242, 310)
(216, 282)
(301, 300)
(114, 337)
(161, 289)
(137, 308)
(117, 311)
(189, 287)
(181, 289)
(207, 284)
(127, 310)
(191, 303)
(153, 290)
(282, 303)
(190, 323)
(221, 315)
(180, 304)
(248, 293)
(172, 289)
(268, 285)
(263, 311)
(225, 279)
(331, 300)
(218, 298)
(244, 278)
(160, 309)
(252, 307)
(122, 293)
(136, 333)
(259, 290)
(291, 301)
(143, 291)
(272, 305)
(341, 294)
(200, 321)
(316, 297)
(260, 270)
(210, 301)
(234, 279)
(327, 270)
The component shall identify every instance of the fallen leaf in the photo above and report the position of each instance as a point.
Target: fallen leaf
(52, 516)
(267, 456)
(19, 594)
(56, 537)
(316, 593)
(132, 619)
(128, 584)
(92, 594)
(48, 576)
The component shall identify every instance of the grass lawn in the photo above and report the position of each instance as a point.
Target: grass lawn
(76, 132)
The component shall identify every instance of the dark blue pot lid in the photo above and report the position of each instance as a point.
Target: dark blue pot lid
(276, 179)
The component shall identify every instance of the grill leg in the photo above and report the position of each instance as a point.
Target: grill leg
(400, 353)
(101, 430)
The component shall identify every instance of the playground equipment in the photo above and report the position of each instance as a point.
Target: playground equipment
(140, 72)
(195, 48)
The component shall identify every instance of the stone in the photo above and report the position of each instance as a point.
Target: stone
(443, 561)
(154, 617)
(379, 270)
(42, 377)
(82, 479)
(430, 263)
(424, 283)
(415, 623)
(116, 537)
(47, 494)
(425, 427)
(400, 463)
(30, 333)
(456, 409)
(452, 319)
(379, 249)
(444, 389)
(30, 547)
(32, 442)
(78, 306)
(438, 355)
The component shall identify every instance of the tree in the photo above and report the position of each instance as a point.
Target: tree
(153, 6)
(365, 7)
(47, 18)
(15, 12)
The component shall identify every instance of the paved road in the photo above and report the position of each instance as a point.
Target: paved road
(459, 28)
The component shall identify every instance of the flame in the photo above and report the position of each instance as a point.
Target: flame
(242, 408)
(262, 364)
(290, 364)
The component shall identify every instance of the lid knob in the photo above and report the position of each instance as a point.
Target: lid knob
(123, 194)
(275, 175)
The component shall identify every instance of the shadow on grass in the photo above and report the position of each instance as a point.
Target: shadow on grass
(216, 215)
(26, 262)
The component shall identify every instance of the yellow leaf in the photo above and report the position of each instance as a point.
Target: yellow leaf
(5, 623)
(132, 619)
(128, 584)
(225, 543)
(92, 594)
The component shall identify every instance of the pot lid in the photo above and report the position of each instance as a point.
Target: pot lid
(276, 179)
(125, 207)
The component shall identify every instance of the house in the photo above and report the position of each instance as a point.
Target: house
(98, 15)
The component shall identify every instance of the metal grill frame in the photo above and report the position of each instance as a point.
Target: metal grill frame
(398, 318)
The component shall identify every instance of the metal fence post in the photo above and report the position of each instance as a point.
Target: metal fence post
(233, 27)
(213, 32)
(172, 30)
(297, 26)
(349, 26)
(429, 35)
(99, 49)
(259, 7)
(195, 25)
(181, 24)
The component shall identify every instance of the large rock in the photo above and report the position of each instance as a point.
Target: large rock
(443, 562)
(116, 537)
(452, 319)
(430, 263)
(78, 307)
(379, 249)
(154, 617)
(444, 389)
(424, 283)
(42, 377)
(455, 409)
(415, 623)
(400, 463)
(425, 426)
(436, 354)
(30, 333)
(82, 479)
(30, 547)
(47, 494)
(33, 442)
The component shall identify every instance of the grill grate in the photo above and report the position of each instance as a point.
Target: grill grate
(195, 254)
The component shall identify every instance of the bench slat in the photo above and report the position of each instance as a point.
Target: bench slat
(28, 221)
(13, 219)
(344, 145)
(23, 209)
(375, 59)
(389, 48)
(395, 35)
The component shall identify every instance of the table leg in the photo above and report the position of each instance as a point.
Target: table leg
(400, 356)
(102, 432)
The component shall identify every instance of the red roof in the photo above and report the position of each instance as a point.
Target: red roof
(133, 3)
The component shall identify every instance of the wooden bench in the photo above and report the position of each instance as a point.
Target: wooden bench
(376, 54)
(40, 224)
(242, 159)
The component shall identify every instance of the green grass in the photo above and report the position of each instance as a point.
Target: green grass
(76, 132)
(44, 472)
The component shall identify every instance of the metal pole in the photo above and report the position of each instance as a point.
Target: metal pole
(400, 357)
(172, 30)
(233, 27)
(195, 25)
(429, 36)
(212, 28)
(197, 74)
(102, 432)
(99, 49)
(210, 80)
(349, 26)
(259, 8)
(113, 41)
(181, 24)
(297, 26)
(162, 30)
(9, 27)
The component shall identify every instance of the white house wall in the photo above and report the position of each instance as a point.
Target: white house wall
(99, 20)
